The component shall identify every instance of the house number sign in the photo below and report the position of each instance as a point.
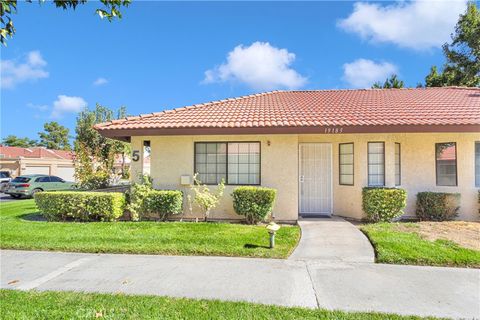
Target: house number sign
(334, 130)
(135, 155)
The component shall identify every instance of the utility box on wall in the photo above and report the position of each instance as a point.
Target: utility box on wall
(185, 180)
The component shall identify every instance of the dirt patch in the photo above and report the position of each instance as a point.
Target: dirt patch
(465, 234)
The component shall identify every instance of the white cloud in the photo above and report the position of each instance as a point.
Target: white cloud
(66, 104)
(100, 81)
(412, 24)
(39, 107)
(260, 66)
(13, 73)
(363, 73)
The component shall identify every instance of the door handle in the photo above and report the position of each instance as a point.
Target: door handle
(302, 179)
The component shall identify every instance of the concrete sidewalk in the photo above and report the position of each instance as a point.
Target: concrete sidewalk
(332, 239)
(409, 290)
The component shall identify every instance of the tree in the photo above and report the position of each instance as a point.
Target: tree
(55, 136)
(391, 82)
(462, 67)
(94, 153)
(14, 141)
(110, 11)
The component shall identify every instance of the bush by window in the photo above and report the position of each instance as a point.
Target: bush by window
(255, 203)
(163, 203)
(80, 206)
(437, 206)
(383, 204)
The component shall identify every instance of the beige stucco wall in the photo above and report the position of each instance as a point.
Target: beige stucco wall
(172, 156)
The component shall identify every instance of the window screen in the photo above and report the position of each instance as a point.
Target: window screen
(376, 163)
(244, 163)
(346, 163)
(235, 162)
(398, 168)
(446, 163)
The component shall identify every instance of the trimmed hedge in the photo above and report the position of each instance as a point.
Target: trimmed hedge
(81, 206)
(383, 204)
(162, 203)
(255, 203)
(437, 206)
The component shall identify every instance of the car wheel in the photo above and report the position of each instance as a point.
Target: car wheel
(15, 196)
(35, 191)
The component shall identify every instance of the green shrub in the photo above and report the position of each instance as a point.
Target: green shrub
(383, 204)
(437, 206)
(81, 206)
(163, 203)
(136, 196)
(255, 203)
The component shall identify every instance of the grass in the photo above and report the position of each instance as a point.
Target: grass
(18, 230)
(69, 305)
(393, 246)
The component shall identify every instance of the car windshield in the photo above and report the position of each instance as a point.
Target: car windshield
(21, 179)
(4, 174)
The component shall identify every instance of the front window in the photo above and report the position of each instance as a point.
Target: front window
(446, 163)
(346, 163)
(376, 164)
(398, 163)
(234, 162)
(477, 164)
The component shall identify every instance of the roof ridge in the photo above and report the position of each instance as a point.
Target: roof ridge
(193, 106)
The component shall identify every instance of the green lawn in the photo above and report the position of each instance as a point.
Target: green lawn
(392, 246)
(19, 230)
(69, 305)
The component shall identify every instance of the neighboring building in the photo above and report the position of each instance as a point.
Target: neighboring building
(37, 160)
(317, 148)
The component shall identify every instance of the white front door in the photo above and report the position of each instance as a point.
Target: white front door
(315, 178)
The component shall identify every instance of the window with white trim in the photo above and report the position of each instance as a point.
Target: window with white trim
(446, 163)
(376, 164)
(477, 164)
(237, 163)
(345, 169)
(398, 163)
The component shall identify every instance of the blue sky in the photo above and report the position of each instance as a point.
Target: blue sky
(165, 55)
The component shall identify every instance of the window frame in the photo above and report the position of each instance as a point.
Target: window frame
(368, 164)
(399, 164)
(226, 162)
(436, 165)
(340, 164)
(477, 183)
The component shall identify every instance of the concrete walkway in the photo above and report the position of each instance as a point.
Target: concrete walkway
(310, 279)
(332, 239)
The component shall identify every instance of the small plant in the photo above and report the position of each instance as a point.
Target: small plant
(383, 204)
(136, 196)
(255, 203)
(437, 206)
(203, 197)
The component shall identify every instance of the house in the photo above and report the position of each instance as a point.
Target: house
(37, 160)
(40, 160)
(317, 148)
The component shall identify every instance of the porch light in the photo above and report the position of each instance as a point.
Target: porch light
(272, 228)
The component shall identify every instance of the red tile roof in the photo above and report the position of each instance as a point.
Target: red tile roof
(311, 110)
(34, 152)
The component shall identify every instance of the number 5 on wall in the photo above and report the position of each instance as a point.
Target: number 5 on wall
(135, 155)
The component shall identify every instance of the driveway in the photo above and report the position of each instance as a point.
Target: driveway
(309, 278)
